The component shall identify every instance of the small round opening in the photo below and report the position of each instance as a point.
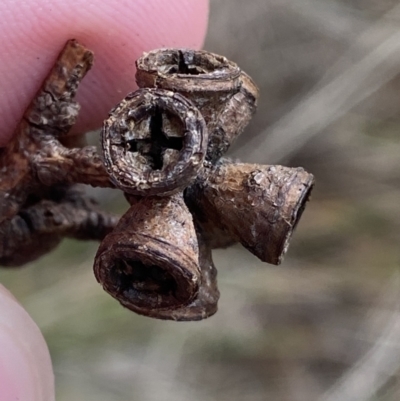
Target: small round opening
(134, 275)
(183, 66)
(159, 135)
(191, 63)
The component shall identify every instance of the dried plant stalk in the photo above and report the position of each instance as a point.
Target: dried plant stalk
(36, 204)
(50, 116)
(254, 204)
(39, 228)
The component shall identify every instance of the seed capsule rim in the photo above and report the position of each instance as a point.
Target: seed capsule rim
(175, 176)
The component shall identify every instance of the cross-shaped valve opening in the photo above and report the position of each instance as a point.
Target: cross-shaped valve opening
(185, 68)
(153, 148)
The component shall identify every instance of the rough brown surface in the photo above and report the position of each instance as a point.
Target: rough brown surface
(37, 229)
(256, 205)
(150, 261)
(205, 304)
(154, 142)
(36, 170)
(293, 332)
(224, 94)
(162, 147)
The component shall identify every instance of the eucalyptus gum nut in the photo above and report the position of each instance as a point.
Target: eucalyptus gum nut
(256, 205)
(205, 304)
(154, 143)
(232, 118)
(224, 94)
(150, 262)
(161, 146)
(187, 71)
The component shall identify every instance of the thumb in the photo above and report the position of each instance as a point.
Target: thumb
(25, 365)
(34, 32)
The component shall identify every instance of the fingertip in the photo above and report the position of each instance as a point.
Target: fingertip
(25, 365)
(140, 27)
(117, 31)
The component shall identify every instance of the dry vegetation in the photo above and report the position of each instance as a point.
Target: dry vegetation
(326, 324)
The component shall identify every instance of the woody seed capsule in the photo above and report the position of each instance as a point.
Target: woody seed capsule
(154, 143)
(224, 94)
(256, 205)
(162, 146)
(205, 303)
(150, 262)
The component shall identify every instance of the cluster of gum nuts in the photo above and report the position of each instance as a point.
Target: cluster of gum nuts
(163, 147)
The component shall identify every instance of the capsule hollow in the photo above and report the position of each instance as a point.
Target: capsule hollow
(256, 205)
(150, 262)
(154, 143)
(225, 95)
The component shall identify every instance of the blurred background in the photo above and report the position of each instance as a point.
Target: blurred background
(325, 325)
